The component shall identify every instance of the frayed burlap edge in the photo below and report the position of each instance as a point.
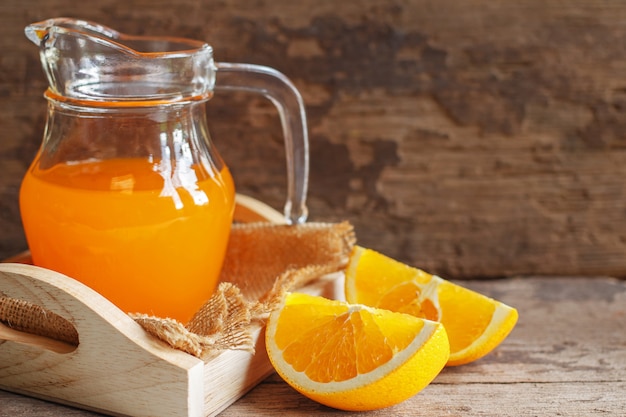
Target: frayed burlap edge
(227, 319)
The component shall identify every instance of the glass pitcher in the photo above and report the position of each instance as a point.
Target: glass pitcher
(127, 193)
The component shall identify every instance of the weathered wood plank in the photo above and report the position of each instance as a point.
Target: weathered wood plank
(274, 397)
(472, 139)
(567, 356)
(511, 400)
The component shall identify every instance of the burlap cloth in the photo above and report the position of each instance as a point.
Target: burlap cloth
(263, 261)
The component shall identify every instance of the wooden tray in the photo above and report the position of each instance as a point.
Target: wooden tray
(118, 368)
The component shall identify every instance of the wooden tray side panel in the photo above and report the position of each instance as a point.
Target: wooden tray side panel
(117, 368)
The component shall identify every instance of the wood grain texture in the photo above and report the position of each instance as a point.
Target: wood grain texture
(473, 139)
(567, 356)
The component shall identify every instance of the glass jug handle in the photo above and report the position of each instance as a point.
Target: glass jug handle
(280, 91)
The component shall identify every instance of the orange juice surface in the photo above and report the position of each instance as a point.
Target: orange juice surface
(149, 240)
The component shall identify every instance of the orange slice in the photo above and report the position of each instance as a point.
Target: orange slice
(475, 324)
(353, 357)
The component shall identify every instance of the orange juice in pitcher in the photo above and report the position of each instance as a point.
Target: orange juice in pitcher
(127, 193)
(111, 225)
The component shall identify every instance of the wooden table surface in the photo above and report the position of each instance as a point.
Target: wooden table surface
(566, 357)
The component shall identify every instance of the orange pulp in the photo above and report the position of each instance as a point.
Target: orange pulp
(149, 241)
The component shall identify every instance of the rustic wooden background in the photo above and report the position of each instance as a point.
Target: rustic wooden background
(471, 138)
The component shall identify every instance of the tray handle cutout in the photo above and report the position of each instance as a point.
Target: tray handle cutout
(30, 324)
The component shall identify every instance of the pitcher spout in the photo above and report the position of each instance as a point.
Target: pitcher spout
(36, 32)
(90, 62)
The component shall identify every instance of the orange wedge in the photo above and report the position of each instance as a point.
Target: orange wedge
(353, 357)
(475, 324)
